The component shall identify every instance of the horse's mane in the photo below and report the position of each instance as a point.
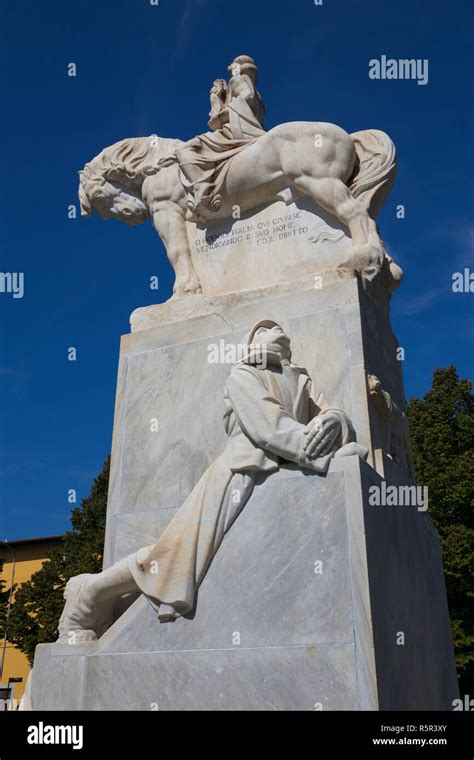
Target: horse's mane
(127, 161)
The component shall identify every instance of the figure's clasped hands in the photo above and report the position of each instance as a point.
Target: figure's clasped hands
(322, 435)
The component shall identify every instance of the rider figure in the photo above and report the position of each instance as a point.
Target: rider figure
(236, 118)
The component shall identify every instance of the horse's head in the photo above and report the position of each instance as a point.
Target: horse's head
(112, 182)
(111, 201)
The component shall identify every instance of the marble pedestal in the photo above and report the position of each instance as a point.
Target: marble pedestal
(168, 417)
(301, 610)
(303, 606)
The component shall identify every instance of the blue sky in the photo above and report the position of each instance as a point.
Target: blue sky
(144, 69)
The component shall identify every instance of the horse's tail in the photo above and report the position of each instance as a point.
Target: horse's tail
(376, 168)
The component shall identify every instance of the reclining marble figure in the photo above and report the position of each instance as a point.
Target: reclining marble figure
(270, 418)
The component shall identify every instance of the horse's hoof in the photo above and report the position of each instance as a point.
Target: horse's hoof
(216, 202)
(187, 290)
(367, 260)
(192, 214)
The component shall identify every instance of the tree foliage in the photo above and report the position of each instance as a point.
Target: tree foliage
(442, 437)
(39, 601)
(4, 594)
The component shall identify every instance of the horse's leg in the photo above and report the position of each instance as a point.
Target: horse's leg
(170, 223)
(334, 196)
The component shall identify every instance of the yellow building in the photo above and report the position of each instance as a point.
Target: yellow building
(21, 559)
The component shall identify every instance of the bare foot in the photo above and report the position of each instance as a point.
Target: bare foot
(82, 617)
(75, 623)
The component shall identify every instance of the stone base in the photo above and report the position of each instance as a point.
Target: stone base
(315, 600)
(301, 609)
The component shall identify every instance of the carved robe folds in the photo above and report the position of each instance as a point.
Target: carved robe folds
(266, 411)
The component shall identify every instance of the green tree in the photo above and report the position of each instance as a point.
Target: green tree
(442, 437)
(4, 594)
(39, 601)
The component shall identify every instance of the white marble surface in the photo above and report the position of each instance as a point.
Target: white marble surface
(320, 187)
(304, 637)
(275, 244)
